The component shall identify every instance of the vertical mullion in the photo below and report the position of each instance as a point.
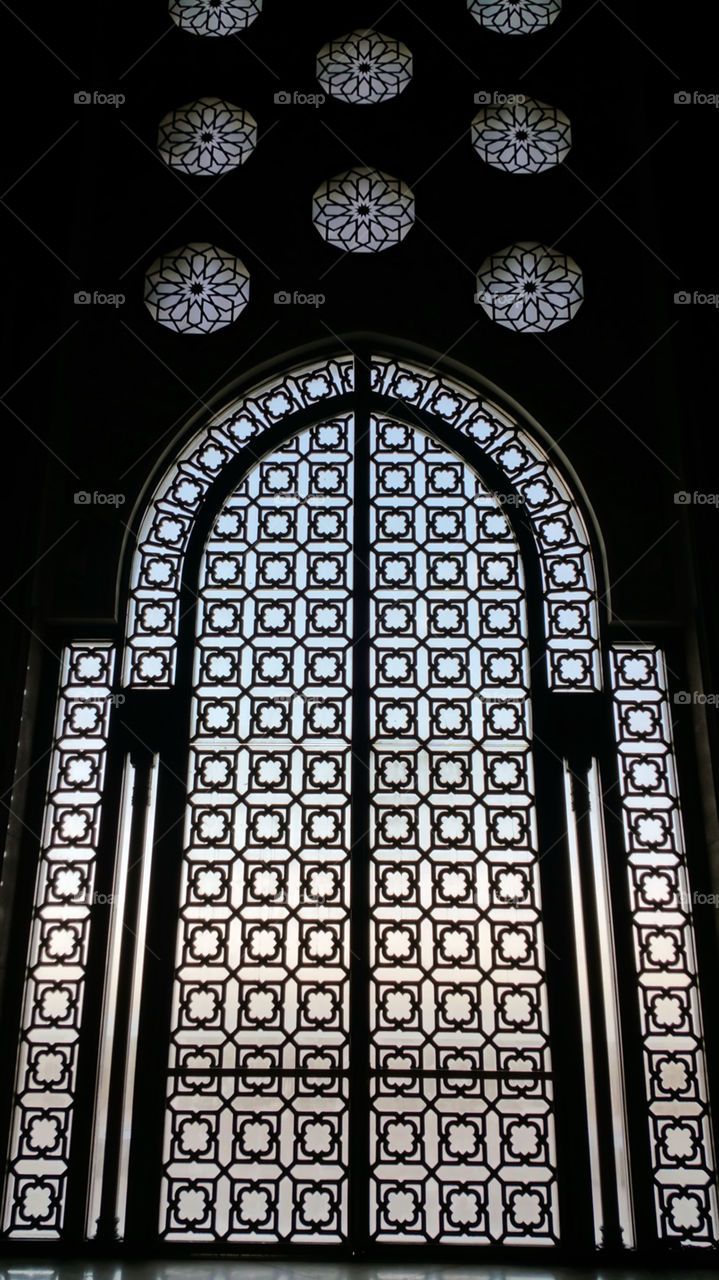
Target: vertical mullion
(588, 1046)
(578, 772)
(110, 1003)
(107, 1224)
(140, 940)
(612, 1021)
(359, 890)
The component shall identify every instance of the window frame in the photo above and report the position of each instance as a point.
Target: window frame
(585, 718)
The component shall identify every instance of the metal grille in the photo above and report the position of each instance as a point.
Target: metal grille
(46, 1078)
(462, 1140)
(461, 1137)
(153, 615)
(362, 607)
(259, 1152)
(674, 1061)
(562, 540)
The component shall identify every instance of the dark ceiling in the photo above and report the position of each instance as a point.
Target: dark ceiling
(94, 394)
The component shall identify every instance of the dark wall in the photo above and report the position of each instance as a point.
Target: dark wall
(97, 393)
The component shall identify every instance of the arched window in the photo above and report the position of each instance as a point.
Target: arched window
(385, 821)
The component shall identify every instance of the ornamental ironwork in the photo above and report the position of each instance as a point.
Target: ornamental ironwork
(675, 1069)
(562, 540)
(256, 1144)
(56, 975)
(523, 136)
(214, 17)
(515, 17)
(364, 67)
(456, 951)
(530, 287)
(363, 211)
(208, 136)
(196, 289)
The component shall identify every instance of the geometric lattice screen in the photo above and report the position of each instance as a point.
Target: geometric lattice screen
(535, 486)
(46, 1076)
(360, 1034)
(533, 482)
(261, 989)
(460, 1105)
(462, 1135)
(163, 538)
(674, 1061)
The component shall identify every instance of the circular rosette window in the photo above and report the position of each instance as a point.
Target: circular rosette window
(364, 67)
(530, 288)
(196, 289)
(214, 17)
(522, 136)
(206, 137)
(515, 17)
(363, 211)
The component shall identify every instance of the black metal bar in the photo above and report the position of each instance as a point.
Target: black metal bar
(379, 1071)
(359, 871)
(569, 1102)
(611, 1226)
(107, 1221)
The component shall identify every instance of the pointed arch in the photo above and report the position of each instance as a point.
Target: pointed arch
(531, 475)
